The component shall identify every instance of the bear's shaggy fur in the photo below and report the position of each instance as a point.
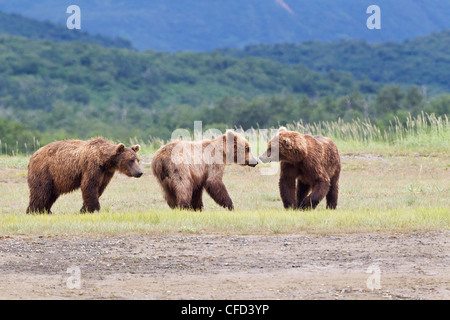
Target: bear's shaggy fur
(64, 166)
(184, 169)
(313, 163)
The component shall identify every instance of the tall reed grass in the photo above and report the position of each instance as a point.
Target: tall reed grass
(423, 130)
(427, 130)
(366, 131)
(19, 148)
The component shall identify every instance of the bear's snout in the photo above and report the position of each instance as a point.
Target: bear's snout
(253, 164)
(138, 174)
(264, 159)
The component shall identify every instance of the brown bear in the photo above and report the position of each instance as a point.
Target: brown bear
(313, 162)
(185, 168)
(64, 166)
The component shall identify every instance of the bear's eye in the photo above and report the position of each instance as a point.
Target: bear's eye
(130, 161)
(247, 149)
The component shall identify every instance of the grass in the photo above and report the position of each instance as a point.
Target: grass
(376, 194)
(425, 134)
(160, 222)
(397, 183)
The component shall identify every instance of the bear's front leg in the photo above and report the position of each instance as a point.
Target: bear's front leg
(302, 192)
(319, 191)
(217, 190)
(197, 203)
(90, 193)
(90, 204)
(287, 191)
(288, 176)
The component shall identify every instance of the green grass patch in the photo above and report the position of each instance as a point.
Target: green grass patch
(265, 222)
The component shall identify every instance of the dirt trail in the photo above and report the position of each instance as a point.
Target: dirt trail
(408, 266)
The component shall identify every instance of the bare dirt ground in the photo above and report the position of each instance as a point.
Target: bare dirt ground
(410, 266)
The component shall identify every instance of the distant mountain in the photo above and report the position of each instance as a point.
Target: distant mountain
(17, 25)
(204, 25)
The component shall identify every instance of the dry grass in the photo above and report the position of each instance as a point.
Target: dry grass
(377, 193)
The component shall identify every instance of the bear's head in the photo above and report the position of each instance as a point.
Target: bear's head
(237, 150)
(285, 146)
(128, 161)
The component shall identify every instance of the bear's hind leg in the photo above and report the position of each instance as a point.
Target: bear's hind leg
(51, 200)
(37, 203)
(41, 197)
(217, 190)
(169, 194)
(332, 195)
(184, 198)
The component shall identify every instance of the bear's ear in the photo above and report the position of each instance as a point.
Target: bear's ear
(230, 135)
(120, 148)
(282, 129)
(286, 142)
(136, 148)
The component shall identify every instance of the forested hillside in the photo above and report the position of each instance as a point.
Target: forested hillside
(54, 91)
(17, 25)
(422, 61)
(205, 25)
(85, 89)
